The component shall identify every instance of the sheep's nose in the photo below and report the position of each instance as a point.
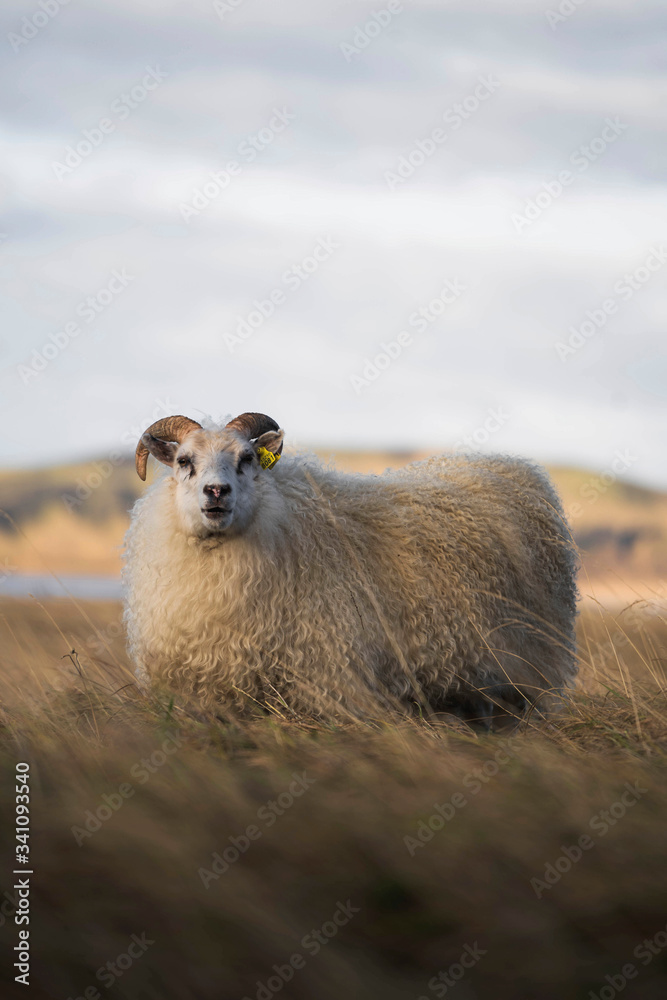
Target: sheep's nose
(217, 491)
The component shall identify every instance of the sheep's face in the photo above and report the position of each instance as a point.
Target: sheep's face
(217, 479)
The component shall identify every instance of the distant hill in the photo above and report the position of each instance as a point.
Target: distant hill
(72, 518)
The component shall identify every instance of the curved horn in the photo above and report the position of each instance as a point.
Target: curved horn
(253, 425)
(167, 429)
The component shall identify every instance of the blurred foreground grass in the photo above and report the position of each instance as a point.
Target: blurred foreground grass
(355, 861)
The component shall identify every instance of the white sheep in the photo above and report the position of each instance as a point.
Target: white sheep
(447, 586)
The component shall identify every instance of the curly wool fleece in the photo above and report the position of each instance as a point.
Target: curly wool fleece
(448, 585)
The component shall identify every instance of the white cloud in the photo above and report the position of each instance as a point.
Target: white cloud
(325, 174)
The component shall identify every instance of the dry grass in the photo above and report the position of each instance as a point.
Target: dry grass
(85, 730)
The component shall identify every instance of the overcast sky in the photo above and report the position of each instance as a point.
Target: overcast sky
(484, 183)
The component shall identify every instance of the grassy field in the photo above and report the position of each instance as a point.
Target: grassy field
(183, 857)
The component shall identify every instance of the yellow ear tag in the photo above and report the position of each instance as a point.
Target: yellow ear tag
(266, 458)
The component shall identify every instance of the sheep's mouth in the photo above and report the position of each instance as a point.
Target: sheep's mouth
(215, 512)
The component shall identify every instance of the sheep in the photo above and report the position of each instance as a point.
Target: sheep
(253, 578)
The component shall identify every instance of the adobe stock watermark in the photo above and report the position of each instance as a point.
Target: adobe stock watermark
(597, 486)
(446, 979)
(581, 159)
(495, 420)
(623, 290)
(645, 952)
(141, 772)
(292, 279)
(565, 10)
(225, 7)
(32, 25)
(89, 309)
(248, 150)
(312, 943)
(92, 138)
(365, 34)
(98, 643)
(7, 570)
(86, 484)
(110, 972)
(454, 118)
(474, 781)
(601, 824)
(419, 320)
(8, 907)
(268, 814)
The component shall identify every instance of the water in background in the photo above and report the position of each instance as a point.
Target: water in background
(92, 588)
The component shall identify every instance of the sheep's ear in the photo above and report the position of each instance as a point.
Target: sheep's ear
(271, 440)
(164, 451)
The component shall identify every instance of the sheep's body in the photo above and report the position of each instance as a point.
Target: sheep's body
(429, 584)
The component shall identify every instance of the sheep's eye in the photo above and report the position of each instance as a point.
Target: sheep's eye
(184, 462)
(243, 461)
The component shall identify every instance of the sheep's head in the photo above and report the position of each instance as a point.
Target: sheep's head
(216, 472)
